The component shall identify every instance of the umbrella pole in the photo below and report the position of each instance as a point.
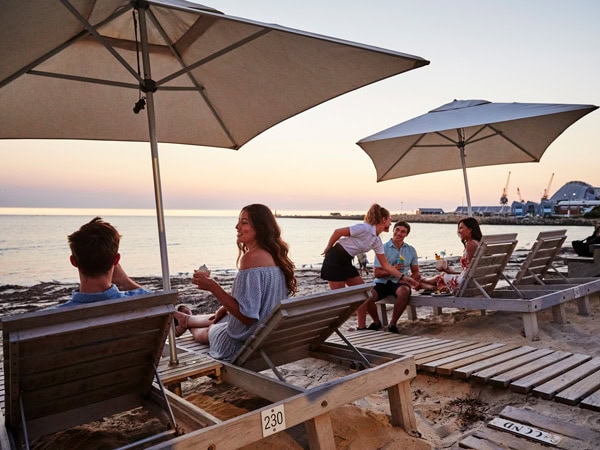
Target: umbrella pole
(149, 89)
(461, 146)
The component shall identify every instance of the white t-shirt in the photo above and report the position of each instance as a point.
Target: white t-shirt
(363, 238)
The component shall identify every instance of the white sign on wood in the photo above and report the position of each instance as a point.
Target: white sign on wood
(525, 430)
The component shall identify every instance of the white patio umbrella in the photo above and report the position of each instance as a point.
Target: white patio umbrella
(84, 69)
(469, 133)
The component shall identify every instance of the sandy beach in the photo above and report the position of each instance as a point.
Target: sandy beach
(446, 409)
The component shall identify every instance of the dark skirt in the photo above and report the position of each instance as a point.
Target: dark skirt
(337, 265)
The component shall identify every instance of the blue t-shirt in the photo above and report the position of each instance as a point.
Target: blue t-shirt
(112, 293)
(406, 256)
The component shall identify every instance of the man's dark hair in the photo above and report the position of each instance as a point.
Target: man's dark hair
(94, 247)
(402, 223)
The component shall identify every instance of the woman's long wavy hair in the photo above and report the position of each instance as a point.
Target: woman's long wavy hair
(376, 214)
(268, 237)
(472, 224)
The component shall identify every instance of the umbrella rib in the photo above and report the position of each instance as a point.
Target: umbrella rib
(92, 30)
(187, 69)
(382, 177)
(198, 87)
(60, 48)
(515, 144)
(472, 139)
(440, 134)
(496, 132)
(64, 76)
(434, 145)
(214, 56)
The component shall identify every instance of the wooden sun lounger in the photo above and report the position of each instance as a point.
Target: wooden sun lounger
(530, 292)
(542, 286)
(480, 280)
(540, 259)
(70, 366)
(295, 330)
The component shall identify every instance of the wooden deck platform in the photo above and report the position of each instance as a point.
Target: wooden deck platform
(569, 378)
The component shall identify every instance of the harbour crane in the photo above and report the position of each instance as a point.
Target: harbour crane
(504, 197)
(519, 195)
(547, 190)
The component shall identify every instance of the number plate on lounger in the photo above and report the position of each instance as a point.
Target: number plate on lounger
(273, 420)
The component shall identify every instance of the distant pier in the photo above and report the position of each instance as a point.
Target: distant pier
(454, 218)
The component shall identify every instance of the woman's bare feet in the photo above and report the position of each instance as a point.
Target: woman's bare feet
(181, 319)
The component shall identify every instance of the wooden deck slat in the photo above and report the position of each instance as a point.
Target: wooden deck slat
(574, 393)
(550, 388)
(467, 371)
(396, 343)
(440, 349)
(457, 351)
(486, 374)
(504, 379)
(496, 349)
(434, 366)
(411, 348)
(526, 384)
(591, 401)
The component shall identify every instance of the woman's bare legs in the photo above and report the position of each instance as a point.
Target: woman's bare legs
(362, 310)
(367, 307)
(200, 334)
(194, 322)
(333, 285)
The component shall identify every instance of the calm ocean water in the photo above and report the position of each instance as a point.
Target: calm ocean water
(33, 248)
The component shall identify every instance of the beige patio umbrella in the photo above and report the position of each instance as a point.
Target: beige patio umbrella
(166, 71)
(469, 133)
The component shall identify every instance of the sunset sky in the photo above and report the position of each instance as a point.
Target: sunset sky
(532, 51)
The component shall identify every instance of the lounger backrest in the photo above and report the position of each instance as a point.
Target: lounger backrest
(543, 252)
(488, 264)
(299, 325)
(73, 365)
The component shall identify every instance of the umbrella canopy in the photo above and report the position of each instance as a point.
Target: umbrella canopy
(469, 133)
(77, 69)
(84, 69)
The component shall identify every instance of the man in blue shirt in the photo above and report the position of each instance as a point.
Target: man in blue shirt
(95, 253)
(404, 258)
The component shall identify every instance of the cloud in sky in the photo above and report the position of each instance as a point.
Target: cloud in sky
(534, 51)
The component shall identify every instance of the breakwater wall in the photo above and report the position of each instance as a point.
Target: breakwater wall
(454, 218)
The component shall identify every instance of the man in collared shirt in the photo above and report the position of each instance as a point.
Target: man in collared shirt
(404, 258)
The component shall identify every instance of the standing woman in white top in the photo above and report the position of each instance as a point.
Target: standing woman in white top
(345, 243)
